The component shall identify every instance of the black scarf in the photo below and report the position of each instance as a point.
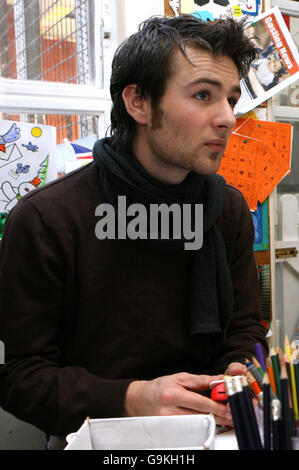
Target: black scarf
(211, 292)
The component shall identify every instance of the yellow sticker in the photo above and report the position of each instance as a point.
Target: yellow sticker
(237, 10)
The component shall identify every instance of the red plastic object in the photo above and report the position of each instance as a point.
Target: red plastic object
(218, 393)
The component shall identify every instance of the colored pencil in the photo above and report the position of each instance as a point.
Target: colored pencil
(257, 375)
(287, 347)
(260, 355)
(267, 412)
(236, 413)
(254, 371)
(296, 369)
(258, 366)
(280, 356)
(293, 389)
(288, 369)
(276, 418)
(271, 375)
(254, 430)
(285, 429)
(254, 386)
(276, 370)
(291, 401)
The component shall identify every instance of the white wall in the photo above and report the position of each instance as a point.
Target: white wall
(130, 13)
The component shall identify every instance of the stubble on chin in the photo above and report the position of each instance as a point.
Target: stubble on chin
(215, 156)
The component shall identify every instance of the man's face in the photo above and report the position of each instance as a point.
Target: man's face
(191, 125)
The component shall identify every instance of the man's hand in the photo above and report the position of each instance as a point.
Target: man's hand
(236, 368)
(175, 395)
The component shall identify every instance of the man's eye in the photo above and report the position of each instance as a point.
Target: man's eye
(202, 95)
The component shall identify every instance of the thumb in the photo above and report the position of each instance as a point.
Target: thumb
(236, 368)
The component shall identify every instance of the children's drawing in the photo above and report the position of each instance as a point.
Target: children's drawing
(10, 136)
(14, 194)
(27, 160)
(30, 146)
(22, 169)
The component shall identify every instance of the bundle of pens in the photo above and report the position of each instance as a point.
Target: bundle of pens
(274, 384)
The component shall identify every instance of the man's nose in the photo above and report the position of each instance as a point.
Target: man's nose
(225, 117)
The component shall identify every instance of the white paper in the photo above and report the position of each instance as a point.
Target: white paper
(27, 160)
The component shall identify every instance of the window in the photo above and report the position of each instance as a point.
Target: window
(55, 58)
(47, 40)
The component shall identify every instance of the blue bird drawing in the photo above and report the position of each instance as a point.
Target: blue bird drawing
(11, 135)
(30, 146)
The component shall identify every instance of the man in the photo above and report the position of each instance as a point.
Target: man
(114, 326)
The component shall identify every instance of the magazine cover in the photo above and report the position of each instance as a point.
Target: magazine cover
(277, 66)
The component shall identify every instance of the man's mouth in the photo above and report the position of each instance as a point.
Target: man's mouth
(217, 145)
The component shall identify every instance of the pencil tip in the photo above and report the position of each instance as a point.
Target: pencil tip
(266, 380)
(283, 372)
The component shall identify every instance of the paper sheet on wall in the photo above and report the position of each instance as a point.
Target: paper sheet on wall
(257, 158)
(27, 160)
(277, 66)
(211, 10)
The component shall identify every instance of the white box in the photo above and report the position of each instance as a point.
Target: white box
(150, 432)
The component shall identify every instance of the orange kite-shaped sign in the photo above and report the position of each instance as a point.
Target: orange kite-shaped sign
(257, 158)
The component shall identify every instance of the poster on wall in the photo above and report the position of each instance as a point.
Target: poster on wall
(27, 160)
(277, 66)
(213, 9)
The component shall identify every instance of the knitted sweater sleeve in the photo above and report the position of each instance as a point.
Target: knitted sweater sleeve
(245, 328)
(34, 384)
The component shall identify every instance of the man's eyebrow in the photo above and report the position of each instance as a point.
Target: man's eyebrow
(235, 89)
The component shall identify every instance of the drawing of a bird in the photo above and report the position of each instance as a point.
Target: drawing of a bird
(11, 135)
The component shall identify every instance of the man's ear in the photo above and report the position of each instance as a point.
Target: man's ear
(137, 107)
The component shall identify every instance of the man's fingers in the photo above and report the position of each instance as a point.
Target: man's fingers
(197, 382)
(201, 404)
(236, 368)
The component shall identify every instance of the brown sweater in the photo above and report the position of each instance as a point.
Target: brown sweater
(81, 318)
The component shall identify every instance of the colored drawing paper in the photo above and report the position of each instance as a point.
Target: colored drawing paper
(257, 158)
(27, 160)
(239, 166)
(275, 163)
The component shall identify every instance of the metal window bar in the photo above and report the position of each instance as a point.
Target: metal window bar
(51, 40)
(49, 44)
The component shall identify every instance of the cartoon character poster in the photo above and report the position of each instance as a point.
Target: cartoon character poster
(27, 160)
(213, 9)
